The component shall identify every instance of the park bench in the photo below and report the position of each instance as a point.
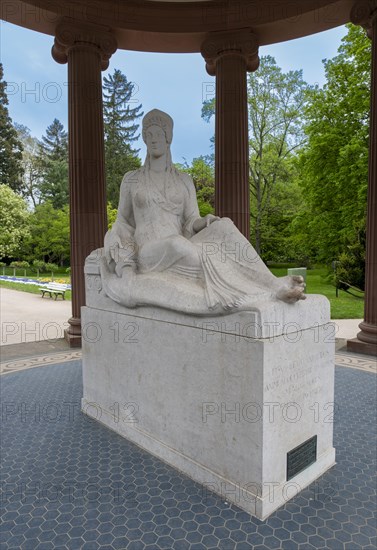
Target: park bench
(54, 288)
(342, 285)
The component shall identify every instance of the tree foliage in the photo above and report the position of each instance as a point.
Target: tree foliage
(308, 165)
(31, 164)
(203, 174)
(14, 218)
(53, 158)
(276, 102)
(275, 106)
(55, 143)
(44, 169)
(350, 267)
(334, 164)
(10, 145)
(111, 215)
(49, 234)
(120, 123)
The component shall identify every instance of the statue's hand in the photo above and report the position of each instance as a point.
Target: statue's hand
(201, 223)
(119, 254)
(112, 244)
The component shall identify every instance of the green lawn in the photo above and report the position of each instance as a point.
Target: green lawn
(343, 307)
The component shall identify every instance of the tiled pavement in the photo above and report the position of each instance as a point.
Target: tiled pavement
(68, 482)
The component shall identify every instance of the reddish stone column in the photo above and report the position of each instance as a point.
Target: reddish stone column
(365, 13)
(87, 49)
(229, 55)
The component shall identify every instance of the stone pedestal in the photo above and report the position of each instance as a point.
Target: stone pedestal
(225, 400)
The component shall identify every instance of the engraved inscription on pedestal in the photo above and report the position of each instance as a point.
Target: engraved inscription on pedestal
(299, 377)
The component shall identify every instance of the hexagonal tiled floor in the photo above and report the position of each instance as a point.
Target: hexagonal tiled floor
(68, 482)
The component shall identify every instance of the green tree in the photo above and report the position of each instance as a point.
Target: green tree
(10, 145)
(334, 165)
(203, 175)
(275, 106)
(55, 143)
(276, 224)
(38, 266)
(53, 157)
(14, 222)
(49, 234)
(276, 101)
(32, 165)
(111, 216)
(120, 122)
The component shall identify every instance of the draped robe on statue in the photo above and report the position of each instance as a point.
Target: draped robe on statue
(213, 271)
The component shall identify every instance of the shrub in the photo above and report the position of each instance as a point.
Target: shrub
(39, 266)
(52, 267)
(20, 265)
(350, 267)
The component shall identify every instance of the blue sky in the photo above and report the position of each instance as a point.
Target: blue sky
(175, 83)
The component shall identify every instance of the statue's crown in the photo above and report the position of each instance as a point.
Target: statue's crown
(159, 118)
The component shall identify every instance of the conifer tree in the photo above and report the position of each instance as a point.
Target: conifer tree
(54, 161)
(10, 145)
(120, 121)
(55, 142)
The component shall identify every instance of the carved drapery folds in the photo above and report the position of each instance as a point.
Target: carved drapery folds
(69, 34)
(228, 56)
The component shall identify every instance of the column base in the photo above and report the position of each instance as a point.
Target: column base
(357, 346)
(73, 334)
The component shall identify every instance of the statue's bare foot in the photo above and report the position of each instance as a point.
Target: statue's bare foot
(291, 288)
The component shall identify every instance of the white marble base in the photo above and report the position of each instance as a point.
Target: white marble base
(214, 401)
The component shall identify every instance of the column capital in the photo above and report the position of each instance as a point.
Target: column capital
(69, 34)
(364, 13)
(241, 42)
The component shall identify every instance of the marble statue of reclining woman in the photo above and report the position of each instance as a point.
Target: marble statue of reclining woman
(161, 252)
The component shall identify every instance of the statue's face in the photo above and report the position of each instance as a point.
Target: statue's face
(156, 141)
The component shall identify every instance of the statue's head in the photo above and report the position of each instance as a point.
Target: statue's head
(157, 135)
(160, 119)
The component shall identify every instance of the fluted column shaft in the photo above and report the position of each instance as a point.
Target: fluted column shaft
(229, 56)
(87, 51)
(86, 166)
(232, 195)
(369, 325)
(365, 13)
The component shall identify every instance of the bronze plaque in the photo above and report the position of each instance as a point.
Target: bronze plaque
(301, 457)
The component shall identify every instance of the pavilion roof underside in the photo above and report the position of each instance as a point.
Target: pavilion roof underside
(173, 26)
